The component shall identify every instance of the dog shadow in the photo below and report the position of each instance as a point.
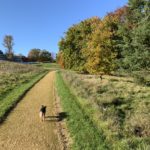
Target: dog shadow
(61, 116)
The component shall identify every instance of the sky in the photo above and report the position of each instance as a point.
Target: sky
(42, 23)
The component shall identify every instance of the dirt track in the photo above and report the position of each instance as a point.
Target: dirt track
(23, 130)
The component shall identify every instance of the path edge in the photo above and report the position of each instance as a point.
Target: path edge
(3, 118)
(62, 130)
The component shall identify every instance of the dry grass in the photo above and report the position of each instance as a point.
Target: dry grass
(13, 75)
(15, 80)
(118, 105)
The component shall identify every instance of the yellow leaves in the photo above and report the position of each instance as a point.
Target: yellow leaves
(100, 49)
(60, 59)
(91, 44)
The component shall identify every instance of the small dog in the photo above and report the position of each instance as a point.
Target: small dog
(42, 112)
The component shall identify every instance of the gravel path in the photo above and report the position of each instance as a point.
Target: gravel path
(23, 129)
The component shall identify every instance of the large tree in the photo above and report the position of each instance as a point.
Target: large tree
(8, 43)
(102, 49)
(45, 55)
(74, 41)
(119, 40)
(33, 54)
(141, 39)
(135, 33)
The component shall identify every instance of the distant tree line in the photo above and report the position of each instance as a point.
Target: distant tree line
(33, 55)
(40, 55)
(120, 40)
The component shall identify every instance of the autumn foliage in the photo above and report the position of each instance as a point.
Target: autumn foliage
(103, 45)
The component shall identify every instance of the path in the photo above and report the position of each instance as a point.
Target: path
(23, 130)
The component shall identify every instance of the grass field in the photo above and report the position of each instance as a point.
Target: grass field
(83, 132)
(117, 106)
(48, 66)
(15, 79)
(112, 113)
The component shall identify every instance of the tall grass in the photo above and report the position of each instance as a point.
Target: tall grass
(15, 80)
(84, 133)
(118, 106)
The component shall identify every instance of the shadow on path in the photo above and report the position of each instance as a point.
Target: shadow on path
(61, 116)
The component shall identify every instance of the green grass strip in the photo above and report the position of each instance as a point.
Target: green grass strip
(15, 95)
(83, 132)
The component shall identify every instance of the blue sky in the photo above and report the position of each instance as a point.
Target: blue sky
(41, 23)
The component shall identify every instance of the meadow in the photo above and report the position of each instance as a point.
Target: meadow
(48, 66)
(15, 80)
(118, 106)
(82, 130)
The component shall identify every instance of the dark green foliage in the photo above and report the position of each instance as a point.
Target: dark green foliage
(136, 36)
(44, 56)
(1, 52)
(141, 43)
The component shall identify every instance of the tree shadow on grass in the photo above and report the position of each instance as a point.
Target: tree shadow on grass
(61, 116)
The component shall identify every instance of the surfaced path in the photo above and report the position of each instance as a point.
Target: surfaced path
(23, 129)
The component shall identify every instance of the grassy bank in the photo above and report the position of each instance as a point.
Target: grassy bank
(15, 80)
(116, 105)
(83, 132)
(48, 66)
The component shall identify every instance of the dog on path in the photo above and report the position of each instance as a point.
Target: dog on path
(42, 112)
